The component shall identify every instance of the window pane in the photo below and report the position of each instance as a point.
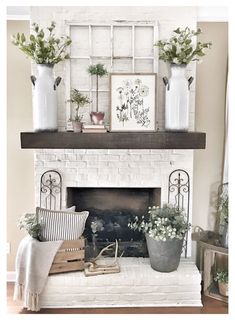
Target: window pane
(144, 41)
(100, 40)
(122, 65)
(144, 65)
(79, 75)
(80, 41)
(122, 41)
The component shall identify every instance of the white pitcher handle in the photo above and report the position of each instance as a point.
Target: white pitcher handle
(33, 80)
(166, 83)
(57, 82)
(190, 80)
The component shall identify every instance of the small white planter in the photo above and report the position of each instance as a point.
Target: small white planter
(177, 99)
(44, 99)
(223, 288)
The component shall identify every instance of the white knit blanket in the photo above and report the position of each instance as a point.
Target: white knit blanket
(33, 263)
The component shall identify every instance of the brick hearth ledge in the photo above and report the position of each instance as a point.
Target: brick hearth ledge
(137, 285)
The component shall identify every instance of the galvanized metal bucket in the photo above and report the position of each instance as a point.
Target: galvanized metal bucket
(164, 255)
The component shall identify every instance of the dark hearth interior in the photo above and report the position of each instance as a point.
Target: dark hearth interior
(110, 211)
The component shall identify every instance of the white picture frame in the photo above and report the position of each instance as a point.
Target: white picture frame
(133, 102)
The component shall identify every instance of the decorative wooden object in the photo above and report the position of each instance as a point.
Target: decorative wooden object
(210, 287)
(209, 247)
(113, 140)
(94, 267)
(70, 257)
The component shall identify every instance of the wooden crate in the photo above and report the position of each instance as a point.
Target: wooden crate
(210, 287)
(69, 257)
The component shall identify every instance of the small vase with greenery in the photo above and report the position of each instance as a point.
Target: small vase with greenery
(222, 279)
(99, 71)
(165, 229)
(79, 99)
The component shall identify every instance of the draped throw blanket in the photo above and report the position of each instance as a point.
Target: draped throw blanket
(33, 263)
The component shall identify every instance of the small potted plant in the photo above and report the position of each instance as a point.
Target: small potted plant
(79, 100)
(164, 229)
(99, 71)
(178, 52)
(222, 279)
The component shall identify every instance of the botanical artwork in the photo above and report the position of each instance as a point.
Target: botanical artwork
(133, 102)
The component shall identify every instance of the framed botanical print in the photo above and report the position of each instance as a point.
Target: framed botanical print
(132, 102)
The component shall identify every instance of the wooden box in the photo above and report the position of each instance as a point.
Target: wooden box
(210, 287)
(69, 257)
(210, 252)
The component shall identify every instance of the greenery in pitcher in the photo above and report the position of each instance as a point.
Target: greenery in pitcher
(163, 223)
(48, 50)
(30, 223)
(180, 48)
(79, 100)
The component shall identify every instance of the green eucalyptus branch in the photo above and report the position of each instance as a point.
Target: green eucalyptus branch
(43, 50)
(180, 49)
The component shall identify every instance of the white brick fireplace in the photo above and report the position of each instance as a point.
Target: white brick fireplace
(115, 168)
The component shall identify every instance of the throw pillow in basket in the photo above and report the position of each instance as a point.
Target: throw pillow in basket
(61, 225)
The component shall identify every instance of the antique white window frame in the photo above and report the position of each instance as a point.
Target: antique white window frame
(111, 25)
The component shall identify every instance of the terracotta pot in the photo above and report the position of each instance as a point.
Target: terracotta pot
(223, 288)
(97, 117)
(77, 126)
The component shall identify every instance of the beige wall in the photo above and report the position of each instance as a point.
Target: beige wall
(20, 176)
(210, 92)
(210, 110)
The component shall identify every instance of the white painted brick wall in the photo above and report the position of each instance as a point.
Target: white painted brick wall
(116, 168)
(130, 168)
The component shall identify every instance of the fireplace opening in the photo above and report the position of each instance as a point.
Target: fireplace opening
(110, 211)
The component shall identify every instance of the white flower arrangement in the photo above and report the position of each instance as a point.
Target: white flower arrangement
(163, 223)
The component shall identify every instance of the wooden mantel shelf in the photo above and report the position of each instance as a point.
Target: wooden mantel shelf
(113, 140)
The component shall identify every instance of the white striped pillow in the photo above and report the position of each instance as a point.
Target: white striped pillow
(61, 225)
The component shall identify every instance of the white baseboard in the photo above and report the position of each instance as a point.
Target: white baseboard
(11, 276)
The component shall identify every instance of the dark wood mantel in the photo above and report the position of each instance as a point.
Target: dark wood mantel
(111, 140)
